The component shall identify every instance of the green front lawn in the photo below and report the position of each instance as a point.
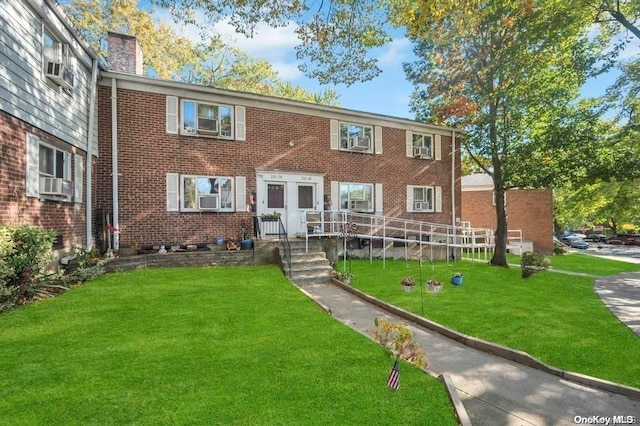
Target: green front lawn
(556, 318)
(233, 345)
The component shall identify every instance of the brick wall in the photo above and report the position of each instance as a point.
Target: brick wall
(16, 208)
(147, 153)
(530, 210)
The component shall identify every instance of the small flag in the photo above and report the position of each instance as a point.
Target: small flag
(394, 377)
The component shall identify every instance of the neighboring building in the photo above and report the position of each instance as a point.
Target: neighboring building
(182, 163)
(528, 210)
(46, 94)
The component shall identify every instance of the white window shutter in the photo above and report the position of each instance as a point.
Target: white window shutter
(409, 138)
(67, 166)
(241, 194)
(335, 134)
(77, 178)
(335, 195)
(32, 181)
(409, 198)
(438, 199)
(172, 114)
(378, 197)
(438, 146)
(173, 192)
(377, 132)
(241, 125)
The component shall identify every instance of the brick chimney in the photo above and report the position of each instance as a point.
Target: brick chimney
(124, 53)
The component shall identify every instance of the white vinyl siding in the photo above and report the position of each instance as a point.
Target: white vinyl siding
(172, 114)
(26, 93)
(173, 192)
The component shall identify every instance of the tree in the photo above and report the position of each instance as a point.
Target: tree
(169, 55)
(503, 72)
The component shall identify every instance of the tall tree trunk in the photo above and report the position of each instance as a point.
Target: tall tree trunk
(500, 251)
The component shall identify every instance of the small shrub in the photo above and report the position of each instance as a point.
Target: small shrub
(533, 262)
(559, 249)
(399, 341)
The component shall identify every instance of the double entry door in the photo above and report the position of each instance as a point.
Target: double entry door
(290, 195)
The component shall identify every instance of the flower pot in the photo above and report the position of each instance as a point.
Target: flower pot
(456, 280)
(433, 288)
(408, 288)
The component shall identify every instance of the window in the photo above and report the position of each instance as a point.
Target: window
(422, 145)
(355, 137)
(356, 197)
(48, 172)
(58, 61)
(207, 119)
(206, 193)
(423, 198)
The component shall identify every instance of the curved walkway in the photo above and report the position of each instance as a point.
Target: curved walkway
(494, 390)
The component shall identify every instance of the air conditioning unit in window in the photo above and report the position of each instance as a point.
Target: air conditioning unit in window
(359, 205)
(208, 202)
(207, 126)
(421, 205)
(421, 151)
(359, 143)
(56, 187)
(60, 74)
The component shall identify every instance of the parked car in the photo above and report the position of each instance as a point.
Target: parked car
(567, 237)
(597, 238)
(624, 239)
(579, 244)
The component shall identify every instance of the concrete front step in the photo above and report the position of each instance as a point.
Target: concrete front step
(308, 257)
(305, 280)
(308, 268)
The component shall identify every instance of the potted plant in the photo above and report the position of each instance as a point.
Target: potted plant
(434, 286)
(408, 283)
(270, 217)
(456, 278)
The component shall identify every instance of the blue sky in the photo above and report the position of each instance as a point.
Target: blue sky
(388, 94)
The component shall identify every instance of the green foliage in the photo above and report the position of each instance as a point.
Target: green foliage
(533, 262)
(399, 341)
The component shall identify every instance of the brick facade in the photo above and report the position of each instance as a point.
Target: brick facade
(146, 153)
(529, 210)
(67, 218)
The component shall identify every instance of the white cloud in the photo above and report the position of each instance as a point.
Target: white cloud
(395, 53)
(287, 71)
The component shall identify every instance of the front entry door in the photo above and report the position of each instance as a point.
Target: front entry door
(277, 199)
(306, 200)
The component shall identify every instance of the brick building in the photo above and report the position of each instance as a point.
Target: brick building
(528, 210)
(188, 161)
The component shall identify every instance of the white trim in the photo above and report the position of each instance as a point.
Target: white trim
(334, 134)
(241, 193)
(377, 195)
(241, 125)
(439, 199)
(409, 198)
(172, 115)
(173, 192)
(377, 132)
(77, 178)
(409, 143)
(32, 169)
(437, 142)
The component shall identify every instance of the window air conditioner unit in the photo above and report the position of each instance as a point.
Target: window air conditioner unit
(421, 205)
(208, 202)
(359, 143)
(56, 187)
(359, 205)
(207, 125)
(420, 151)
(60, 74)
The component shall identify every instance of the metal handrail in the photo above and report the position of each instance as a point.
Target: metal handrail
(286, 245)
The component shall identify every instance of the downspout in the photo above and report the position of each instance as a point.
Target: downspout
(453, 187)
(89, 161)
(114, 163)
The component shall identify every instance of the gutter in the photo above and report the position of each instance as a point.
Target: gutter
(115, 222)
(89, 161)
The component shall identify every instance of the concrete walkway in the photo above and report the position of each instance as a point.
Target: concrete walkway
(493, 389)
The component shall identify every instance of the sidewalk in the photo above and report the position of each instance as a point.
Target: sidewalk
(494, 390)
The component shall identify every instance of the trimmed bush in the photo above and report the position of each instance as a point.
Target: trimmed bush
(533, 262)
